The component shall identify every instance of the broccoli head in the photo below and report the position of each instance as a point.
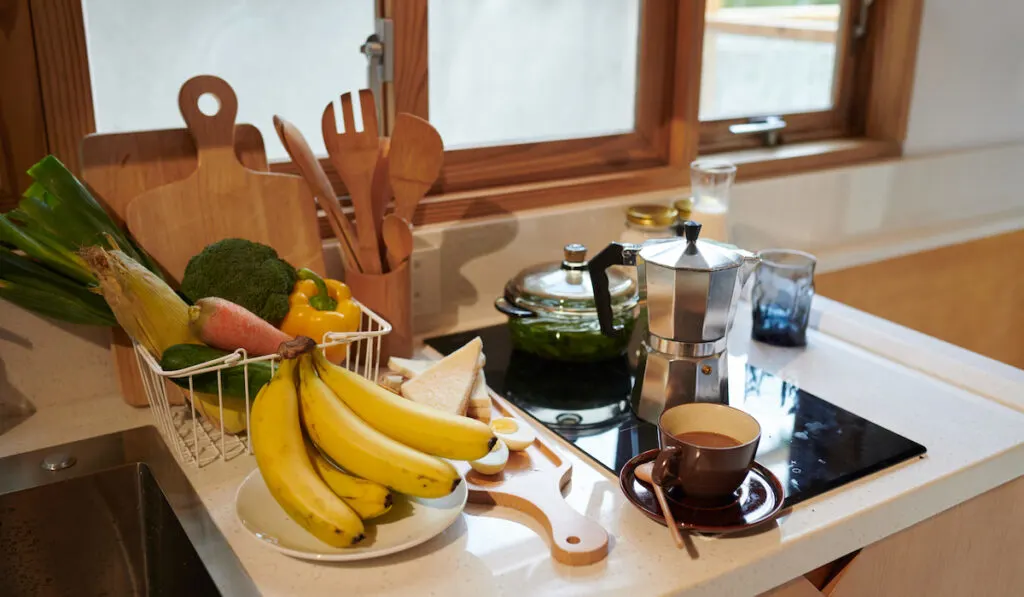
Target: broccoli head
(244, 272)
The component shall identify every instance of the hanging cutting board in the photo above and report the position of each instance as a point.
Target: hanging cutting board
(118, 167)
(221, 198)
(532, 483)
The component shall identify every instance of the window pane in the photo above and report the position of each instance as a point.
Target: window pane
(765, 57)
(287, 62)
(513, 71)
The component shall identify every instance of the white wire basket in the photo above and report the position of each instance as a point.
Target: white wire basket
(198, 441)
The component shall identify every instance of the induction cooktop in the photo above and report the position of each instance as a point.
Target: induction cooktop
(811, 445)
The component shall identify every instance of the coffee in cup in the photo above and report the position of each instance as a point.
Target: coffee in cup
(706, 449)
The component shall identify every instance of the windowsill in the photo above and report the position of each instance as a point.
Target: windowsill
(752, 164)
(783, 160)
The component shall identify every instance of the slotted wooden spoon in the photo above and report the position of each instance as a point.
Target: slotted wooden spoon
(354, 154)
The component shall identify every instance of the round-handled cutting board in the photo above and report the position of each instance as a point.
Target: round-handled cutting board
(532, 483)
(222, 198)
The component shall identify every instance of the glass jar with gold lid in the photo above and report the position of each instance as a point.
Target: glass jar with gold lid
(647, 221)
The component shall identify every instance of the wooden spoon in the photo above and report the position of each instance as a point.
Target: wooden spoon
(380, 188)
(397, 233)
(414, 162)
(643, 472)
(298, 149)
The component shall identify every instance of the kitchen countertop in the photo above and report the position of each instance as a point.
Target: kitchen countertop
(974, 443)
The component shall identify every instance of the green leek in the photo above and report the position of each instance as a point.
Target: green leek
(62, 261)
(53, 303)
(60, 202)
(22, 272)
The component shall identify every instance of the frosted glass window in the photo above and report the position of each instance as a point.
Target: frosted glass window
(768, 57)
(280, 58)
(515, 71)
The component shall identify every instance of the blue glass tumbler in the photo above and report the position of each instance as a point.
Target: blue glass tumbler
(781, 298)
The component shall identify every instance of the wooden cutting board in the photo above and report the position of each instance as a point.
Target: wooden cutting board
(532, 483)
(221, 198)
(118, 167)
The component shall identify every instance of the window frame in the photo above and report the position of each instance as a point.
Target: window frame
(499, 180)
(836, 122)
(503, 165)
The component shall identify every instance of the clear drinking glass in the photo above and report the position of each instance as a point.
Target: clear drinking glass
(711, 181)
(783, 289)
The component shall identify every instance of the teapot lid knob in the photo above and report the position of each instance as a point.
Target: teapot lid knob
(575, 253)
(691, 230)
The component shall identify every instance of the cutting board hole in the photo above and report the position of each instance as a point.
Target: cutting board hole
(573, 539)
(209, 104)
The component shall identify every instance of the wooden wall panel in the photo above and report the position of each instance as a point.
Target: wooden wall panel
(971, 294)
(22, 130)
(63, 76)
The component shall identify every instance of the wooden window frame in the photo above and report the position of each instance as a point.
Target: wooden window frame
(503, 165)
(834, 123)
(498, 180)
(867, 123)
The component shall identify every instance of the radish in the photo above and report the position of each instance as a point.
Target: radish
(227, 326)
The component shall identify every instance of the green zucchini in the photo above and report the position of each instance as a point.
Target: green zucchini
(181, 356)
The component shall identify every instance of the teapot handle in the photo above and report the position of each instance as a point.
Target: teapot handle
(614, 254)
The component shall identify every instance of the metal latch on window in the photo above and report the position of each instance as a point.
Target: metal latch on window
(862, 21)
(380, 62)
(767, 126)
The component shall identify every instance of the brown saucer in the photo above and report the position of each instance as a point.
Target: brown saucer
(757, 501)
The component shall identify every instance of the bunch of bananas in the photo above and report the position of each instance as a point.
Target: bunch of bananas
(360, 443)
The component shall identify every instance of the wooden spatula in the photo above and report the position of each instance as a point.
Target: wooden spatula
(414, 162)
(354, 154)
(221, 198)
(297, 147)
(397, 233)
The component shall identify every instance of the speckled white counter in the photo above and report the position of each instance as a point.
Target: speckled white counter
(974, 444)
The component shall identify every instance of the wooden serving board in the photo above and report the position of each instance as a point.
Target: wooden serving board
(118, 167)
(223, 199)
(532, 483)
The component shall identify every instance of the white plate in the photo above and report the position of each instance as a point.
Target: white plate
(410, 521)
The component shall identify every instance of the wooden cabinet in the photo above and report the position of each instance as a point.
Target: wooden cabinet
(971, 294)
(974, 548)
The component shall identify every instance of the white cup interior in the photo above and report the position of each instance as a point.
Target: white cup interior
(717, 418)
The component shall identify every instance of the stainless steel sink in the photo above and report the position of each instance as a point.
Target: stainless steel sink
(122, 519)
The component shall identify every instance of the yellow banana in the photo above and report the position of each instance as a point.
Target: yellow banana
(234, 411)
(367, 498)
(416, 425)
(362, 450)
(281, 455)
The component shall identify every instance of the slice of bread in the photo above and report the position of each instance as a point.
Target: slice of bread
(448, 384)
(412, 367)
(480, 398)
(483, 415)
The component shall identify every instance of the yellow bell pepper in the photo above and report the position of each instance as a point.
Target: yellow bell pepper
(318, 306)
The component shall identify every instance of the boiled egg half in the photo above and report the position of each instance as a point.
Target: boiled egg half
(493, 462)
(513, 434)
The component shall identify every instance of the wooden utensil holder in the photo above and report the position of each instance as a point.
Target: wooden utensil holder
(390, 296)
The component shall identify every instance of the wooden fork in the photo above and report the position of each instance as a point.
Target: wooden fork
(354, 155)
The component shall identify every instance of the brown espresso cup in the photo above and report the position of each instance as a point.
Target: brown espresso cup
(706, 449)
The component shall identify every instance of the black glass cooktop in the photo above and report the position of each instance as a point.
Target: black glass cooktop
(811, 445)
